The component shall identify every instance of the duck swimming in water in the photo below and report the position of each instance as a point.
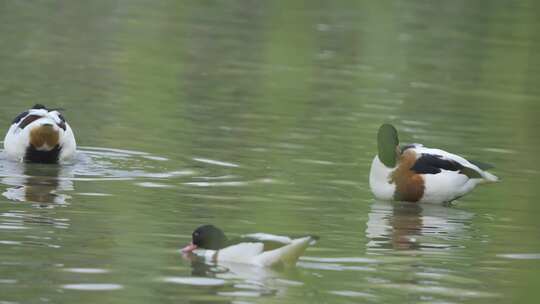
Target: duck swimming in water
(260, 249)
(415, 173)
(40, 135)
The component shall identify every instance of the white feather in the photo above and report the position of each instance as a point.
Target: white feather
(269, 237)
(286, 255)
(446, 186)
(379, 180)
(240, 253)
(253, 254)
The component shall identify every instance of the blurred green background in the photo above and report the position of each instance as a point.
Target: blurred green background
(260, 116)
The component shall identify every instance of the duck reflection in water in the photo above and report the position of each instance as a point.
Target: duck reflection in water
(40, 184)
(412, 226)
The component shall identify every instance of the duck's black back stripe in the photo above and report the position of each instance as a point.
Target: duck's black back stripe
(432, 164)
(28, 120)
(19, 117)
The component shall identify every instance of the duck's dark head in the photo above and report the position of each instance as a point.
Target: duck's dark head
(206, 237)
(388, 145)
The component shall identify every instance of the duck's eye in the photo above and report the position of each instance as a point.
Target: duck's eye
(28, 120)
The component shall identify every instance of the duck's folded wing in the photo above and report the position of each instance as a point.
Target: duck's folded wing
(270, 241)
(434, 164)
(240, 253)
(286, 255)
(267, 237)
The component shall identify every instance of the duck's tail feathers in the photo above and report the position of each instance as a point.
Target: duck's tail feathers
(287, 255)
(480, 175)
(489, 178)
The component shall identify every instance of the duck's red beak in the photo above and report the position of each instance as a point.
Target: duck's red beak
(189, 248)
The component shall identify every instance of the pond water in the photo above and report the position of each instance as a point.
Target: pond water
(259, 116)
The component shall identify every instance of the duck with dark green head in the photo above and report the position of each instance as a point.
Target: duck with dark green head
(415, 173)
(257, 249)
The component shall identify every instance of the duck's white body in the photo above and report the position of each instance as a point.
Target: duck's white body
(380, 180)
(445, 186)
(253, 253)
(17, 139)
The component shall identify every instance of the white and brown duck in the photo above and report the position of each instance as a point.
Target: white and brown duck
(40, 135)
(416, 173)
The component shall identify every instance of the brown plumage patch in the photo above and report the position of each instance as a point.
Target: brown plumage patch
(44, 137)
(409, 185)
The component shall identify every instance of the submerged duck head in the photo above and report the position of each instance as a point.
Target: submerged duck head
(206, 237)
(388, 145)
(39, 135)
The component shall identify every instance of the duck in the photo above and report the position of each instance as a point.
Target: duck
(415, 173)
(258, 249)
(40, 135)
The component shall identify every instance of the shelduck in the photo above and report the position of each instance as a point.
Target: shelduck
(40, 135)
(260, 249)
(416, 173)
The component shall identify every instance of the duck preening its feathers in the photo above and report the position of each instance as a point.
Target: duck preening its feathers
(266, 250)
(40, 135)
(419, 174)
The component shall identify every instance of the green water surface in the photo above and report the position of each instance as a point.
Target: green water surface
(261, 116)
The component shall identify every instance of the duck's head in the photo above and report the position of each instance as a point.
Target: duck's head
(40, 129)
(388, 145)
(206, 237)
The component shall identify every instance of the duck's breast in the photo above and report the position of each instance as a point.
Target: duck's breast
(379, 180)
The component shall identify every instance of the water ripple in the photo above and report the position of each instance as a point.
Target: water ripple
(440, 290)
(86, 270)
(520, 256)
(194, 281)
(352, 294)
(215, 162)
(93, 287)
